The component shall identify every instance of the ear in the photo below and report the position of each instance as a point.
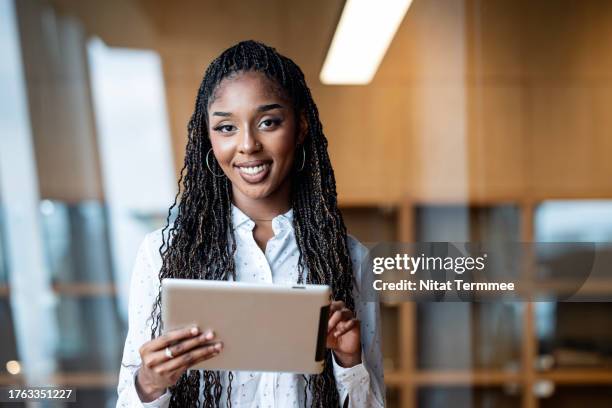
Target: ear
(302, 129)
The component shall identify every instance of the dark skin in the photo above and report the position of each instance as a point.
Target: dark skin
(255, 135)
(252, 125)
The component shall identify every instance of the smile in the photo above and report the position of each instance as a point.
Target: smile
(254, 170)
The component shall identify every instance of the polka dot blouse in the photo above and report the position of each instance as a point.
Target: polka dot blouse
(362, 384)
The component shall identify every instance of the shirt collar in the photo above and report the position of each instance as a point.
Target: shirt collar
(240, 219)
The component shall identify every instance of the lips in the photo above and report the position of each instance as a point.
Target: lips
(254, 171)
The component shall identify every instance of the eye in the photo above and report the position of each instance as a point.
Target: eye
(224, 128)
(269, 123)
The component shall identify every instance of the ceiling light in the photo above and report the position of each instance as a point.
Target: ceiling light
(362, 37)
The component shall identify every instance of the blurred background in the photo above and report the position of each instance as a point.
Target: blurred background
(483, 120)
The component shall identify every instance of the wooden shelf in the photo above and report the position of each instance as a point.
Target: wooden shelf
(577, 376)
(477, 377)
(489, 199)
(84, 289)
(76, 379)
(592, 286)
(8, 379)
(495, 377)
(407, 379)
(366, 203)
(452, 377)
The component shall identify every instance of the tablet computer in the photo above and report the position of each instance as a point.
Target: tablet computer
(263, 327)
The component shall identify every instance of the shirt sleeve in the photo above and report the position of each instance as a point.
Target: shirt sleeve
(363, 384)
(144, 286)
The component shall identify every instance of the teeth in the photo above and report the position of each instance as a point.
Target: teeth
(253, 170)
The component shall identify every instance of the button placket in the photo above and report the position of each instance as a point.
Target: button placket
(256, 269)
(272, 247)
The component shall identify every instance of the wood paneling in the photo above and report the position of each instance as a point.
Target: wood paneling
(474, 99)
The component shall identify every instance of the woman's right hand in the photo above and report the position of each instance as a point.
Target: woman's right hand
(158, 371)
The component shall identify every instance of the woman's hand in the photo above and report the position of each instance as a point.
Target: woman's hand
(344, 335)
(159, 371)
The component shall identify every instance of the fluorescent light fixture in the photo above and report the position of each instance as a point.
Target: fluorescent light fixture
(362, 37)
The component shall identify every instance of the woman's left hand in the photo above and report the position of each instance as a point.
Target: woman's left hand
(344, 334)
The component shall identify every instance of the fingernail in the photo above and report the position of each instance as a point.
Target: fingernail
(194, 330)
(209, 335)
(218, 346)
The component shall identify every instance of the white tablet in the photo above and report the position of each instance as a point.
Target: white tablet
(263, 327)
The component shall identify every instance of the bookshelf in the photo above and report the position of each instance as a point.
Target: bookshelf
(421, 370)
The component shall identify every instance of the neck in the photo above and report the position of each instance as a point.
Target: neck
(264, 208)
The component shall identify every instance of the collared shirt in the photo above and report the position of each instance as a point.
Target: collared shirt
(362, 383)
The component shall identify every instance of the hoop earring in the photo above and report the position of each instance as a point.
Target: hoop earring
(208, 165)
(303, 159)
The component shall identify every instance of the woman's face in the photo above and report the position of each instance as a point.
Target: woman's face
(253, 130)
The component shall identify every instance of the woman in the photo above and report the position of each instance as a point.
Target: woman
(258, 203)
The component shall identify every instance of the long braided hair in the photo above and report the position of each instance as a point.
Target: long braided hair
(200, 243)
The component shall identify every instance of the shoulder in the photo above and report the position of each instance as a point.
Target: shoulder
(151, 245)
(359, 259)
(155, 238)
(357, 250)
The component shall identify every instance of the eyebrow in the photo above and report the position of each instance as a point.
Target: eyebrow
(268, 107)
(262, 108)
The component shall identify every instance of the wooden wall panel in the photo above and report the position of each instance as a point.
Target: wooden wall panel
(569, 78)
(564, 142)
(552, 60)
(364, 128)
(426, 62)
(497, 141)
(438, 132)
(474, 98)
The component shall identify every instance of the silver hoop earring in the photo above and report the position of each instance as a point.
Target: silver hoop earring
(208, 165)
(303, 159)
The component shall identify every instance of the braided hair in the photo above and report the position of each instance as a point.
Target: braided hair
(200, 243)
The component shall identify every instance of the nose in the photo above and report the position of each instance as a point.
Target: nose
(249, 143)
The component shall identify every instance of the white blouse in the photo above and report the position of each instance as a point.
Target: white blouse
(363, 383)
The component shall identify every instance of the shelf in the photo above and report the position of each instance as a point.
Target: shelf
(79, 380)
(496, 377)
(8, 379)
(577, 376)
(365, 203)
(592, 286)
(478, 377)
(84, 289)
(396, 378)
(453, 377)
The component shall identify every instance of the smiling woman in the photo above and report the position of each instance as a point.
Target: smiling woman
(254, 136)
(257, 204)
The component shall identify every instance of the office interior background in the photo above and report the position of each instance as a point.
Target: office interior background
(486, 121)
